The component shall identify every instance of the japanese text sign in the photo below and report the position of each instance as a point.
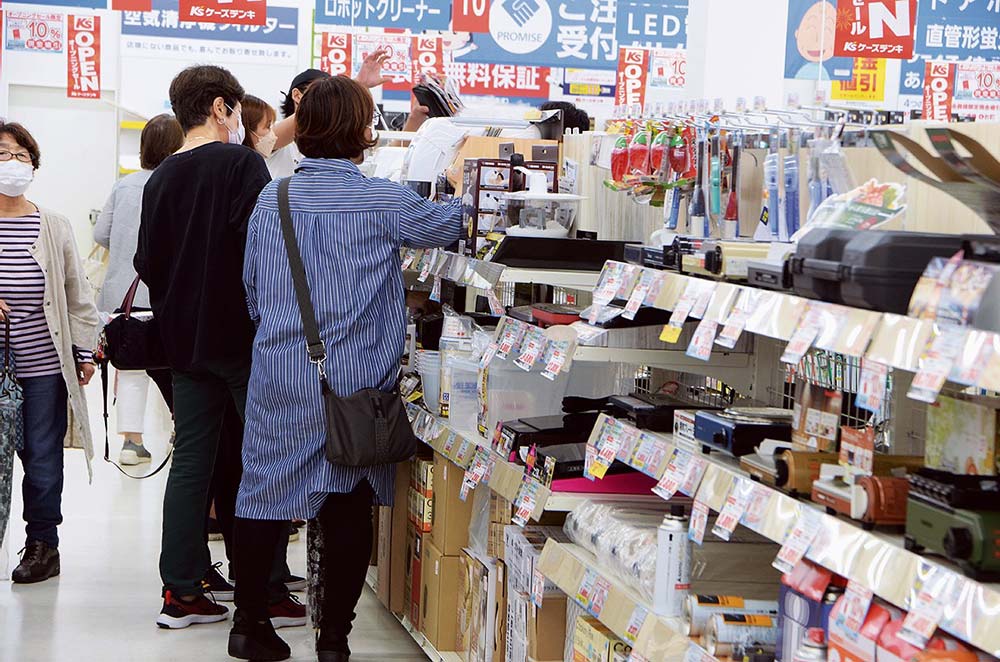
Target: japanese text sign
(633, 73)
(280, 26)
(876, 28)
(415, 15)
(470, 16)
(232, 12)
(427, 57)
(83, 57)
(866, 84)
(34, 31)
(938, 91)
(335, 54)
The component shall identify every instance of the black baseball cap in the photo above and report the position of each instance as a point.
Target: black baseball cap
(307, 76)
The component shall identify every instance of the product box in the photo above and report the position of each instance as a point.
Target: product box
(423, 476)
(805, 600)
(522, 549)
(450, 532)
(547, 629)
(816, 418)
(893, 649)
(482, 609)
(439, 611)
(684, 425)
(382, 551)
(848, 644)
(499, 509)
(962, 436)
(421, 510)
(398, 546)
(495, 542)
(414, 553)
(594, 642)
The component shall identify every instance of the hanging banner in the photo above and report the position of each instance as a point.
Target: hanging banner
(962, 88)
(867, 83)
(938, 91)
(427, 56)
(668, 69)
(633, 73)
(500, 80)
(335, 53)
(83, 57)
(230, 12)
(397, 65)
(413, 15)
(470, 16)
(876, 28)
(40, 32)
(810, 37)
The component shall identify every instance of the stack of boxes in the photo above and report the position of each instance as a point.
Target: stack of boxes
(421, 495)
(594, 642)
(533, 634)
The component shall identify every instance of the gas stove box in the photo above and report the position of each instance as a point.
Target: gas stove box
(738, 431)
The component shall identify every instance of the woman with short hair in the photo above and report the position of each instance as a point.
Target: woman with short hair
(350, 230)
(46, 298)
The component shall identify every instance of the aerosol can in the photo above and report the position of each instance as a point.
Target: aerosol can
(813, 647)
(673, 564)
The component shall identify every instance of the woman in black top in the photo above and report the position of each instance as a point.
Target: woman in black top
(195, 208)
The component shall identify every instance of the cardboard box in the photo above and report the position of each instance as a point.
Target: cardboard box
(593, 642)
(421, 510)
(450, 531)
(478, 608)
(383, 545)
(439, 597)
(423, 477)
(801, 604)
(962, 436)
(500, 509)
(398, 558)
(414, 551)
(849, 645)
(522, 549)
(495, 543)
(547, 629)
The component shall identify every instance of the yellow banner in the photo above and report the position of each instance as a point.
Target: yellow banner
(867, 83)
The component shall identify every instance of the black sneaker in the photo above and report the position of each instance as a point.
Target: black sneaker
(217, 585)
(294, 583)
(249, 640)
(177, 614)
(38, 563)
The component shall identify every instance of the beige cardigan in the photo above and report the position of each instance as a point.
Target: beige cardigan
(71, 316)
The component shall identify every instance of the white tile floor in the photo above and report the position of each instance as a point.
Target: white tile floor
(102, 608)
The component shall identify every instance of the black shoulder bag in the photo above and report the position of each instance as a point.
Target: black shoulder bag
(369, 427)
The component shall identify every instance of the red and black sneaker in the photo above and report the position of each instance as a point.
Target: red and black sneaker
(177, 613)
(287, 613)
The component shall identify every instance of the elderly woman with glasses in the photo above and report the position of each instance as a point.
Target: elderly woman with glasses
(46, 300)
(349, 229)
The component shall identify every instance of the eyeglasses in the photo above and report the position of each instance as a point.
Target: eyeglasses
(23, 157)
(377, 119)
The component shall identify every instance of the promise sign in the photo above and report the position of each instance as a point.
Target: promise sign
(83, 57)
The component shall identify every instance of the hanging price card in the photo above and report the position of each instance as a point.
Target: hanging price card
(732, 511)
(972, 359)
(737, 320)
(798, 541)
(872, 389)
(465, 450)
(695, 653)
(449, 444)
(693, 474)
(705, 292)
(537, 587)
(609, 283)
(685, 304)
(525, 502)
(436, 290)
(757, 505)
(699, 520)
(531, 348)
(856, 602)
(601, 589)
(556, 354)
(701, 342)
(427, 263)
(639, 293)
(586, 333)
(478, 471)
(585, 593)
(513, 333)
(589, 462)
(488, 354)
(630, 437)
(649, 453)
(674, 474)
(496, 306)
(936, 364)
(670, 334)
(635, 624)
(922, 620)
(802, 339)
(408, 258)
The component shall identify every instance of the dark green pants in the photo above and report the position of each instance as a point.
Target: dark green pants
(200, 401)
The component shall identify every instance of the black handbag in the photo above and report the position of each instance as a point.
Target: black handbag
(369, 427)
(132, 343)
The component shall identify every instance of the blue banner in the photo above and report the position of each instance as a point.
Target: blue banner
(281, 27)
(581, 34)
(413, 15)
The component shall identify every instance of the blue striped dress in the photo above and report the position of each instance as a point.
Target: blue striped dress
(349, 229)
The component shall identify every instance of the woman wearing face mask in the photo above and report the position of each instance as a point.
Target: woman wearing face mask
(258, 118)
(117, 229)
(45, 297)
(195, 208)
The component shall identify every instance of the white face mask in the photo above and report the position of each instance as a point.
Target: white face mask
(15, 177)
(265, 143)
(236, 137)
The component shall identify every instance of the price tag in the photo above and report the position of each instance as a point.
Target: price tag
(436, 290)
(701, 342)
(693, 474)
(427, 263)
(872, 389)
(589, 461)
(607, 450)
(639, 293)
(635, 624)
(449, 444)
(478, 471)
(659, 280)
(531, 348)
(525, 502)
(408, 258)
(464, 448)
(585, 593)
(936, 364)
(586, 333)
(737, 320)
(601, 589)
(695, 653)
(757, 505)
(922, 620)
(649, 453)
(556, 353)
(702, 300)
(802, 339)
(496, 306)
(513, 333)
(732, 511)
(973, 359)
(685, 304)
(699, 520)
(673, 477)
(798, 541)
(630, 437)
(609, 283)
(537, 587)
(488, 354)
(856, 602)
(670, 334)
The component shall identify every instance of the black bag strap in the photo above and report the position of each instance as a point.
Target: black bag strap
(107, 442)
(314, 344)
(7, 370)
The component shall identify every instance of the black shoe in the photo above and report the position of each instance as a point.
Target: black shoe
(177, 614)
(249, 640)
(38, 563)
(333, 656)
(217, 585)
(294, 583)
(214, 530)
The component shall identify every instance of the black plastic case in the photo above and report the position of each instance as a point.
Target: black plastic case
(815, 265)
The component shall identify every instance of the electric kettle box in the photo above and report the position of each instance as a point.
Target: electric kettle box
(962, 435)
(802, 605)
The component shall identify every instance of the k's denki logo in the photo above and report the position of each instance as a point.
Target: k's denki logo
(427, 44)
(83, 23)
(940, 70)
(334, 40)
(522, 10)
(634, 56)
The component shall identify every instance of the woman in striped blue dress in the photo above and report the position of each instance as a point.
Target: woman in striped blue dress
(349, 229)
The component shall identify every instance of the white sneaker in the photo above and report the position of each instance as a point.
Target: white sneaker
(133, 454)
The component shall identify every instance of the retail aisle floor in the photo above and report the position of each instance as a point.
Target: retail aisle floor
(102, 608)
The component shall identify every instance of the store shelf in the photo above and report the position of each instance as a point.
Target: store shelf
(874, 559)
(894, 340)
(623, 611)
(574, 280)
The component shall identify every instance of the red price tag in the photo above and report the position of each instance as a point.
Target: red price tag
(798, 541)
(735, 506)
(857, 600)
(699, 520)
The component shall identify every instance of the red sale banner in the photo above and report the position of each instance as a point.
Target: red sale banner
(633, 73)
(335, 53)
(470, 16)
(232, 12)
(939, 91)
(500, 80)
(83, 57)
(875, 28)
(428, 57)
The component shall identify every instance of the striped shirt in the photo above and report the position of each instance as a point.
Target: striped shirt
(349, 229)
